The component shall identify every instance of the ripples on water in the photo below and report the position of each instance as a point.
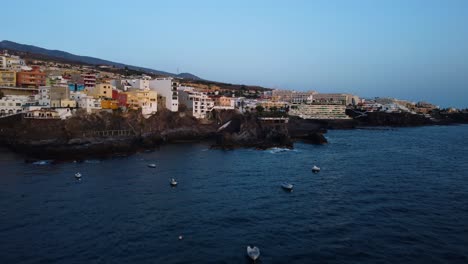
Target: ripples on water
(383, 196)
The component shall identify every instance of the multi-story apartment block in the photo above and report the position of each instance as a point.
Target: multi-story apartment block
(85, 101)
(7, 78)
(290, 96)
(319, 111)
(44, 96)
(33, 78)
(335, 98)
(199, 102)
(167, 87)
(10, 62)
(102, 90)
(12, 104)
(89, 80)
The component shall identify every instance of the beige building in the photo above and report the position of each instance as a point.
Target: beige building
(335, 98)
(101, 90)
(63, 103)
(7, 78)
(271, 104)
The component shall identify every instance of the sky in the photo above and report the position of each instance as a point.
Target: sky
(408, 49)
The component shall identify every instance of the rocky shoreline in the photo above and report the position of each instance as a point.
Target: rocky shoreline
(87, 136)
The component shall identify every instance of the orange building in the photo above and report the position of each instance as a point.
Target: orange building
(32, 78)
(223, 101)
(110, 104)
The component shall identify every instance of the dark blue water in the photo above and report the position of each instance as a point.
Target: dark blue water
(383, 196)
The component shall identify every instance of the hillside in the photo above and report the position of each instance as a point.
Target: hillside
(37, 53)
(69, 57)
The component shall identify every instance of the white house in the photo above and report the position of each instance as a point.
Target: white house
(167, 87)
(12, 104)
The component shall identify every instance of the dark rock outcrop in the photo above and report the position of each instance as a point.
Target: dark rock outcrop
(393, 119)
(249, 131)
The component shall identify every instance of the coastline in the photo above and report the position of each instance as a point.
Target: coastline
(57, 140)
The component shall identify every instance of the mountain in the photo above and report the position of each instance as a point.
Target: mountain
(65, 56)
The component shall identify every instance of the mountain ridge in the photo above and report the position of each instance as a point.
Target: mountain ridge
(10, 45)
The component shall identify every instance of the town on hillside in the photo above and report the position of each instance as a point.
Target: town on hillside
(54, 90)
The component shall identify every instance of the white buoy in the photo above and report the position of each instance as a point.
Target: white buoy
(181, 237)
(78, 176)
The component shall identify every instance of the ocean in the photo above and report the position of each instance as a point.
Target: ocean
(396, 195)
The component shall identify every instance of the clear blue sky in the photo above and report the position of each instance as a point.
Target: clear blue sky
(410, 49)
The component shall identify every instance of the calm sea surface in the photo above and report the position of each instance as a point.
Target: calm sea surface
(383, 196)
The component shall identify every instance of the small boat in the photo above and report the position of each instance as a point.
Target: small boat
(152, 165)
(287, 186)
(42, 162)
(78, 175)
(253, 252)
(315, 169)
(173, 182)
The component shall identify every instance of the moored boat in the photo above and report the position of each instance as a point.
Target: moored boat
(315, 169)
(287, 186)
(173, 182)
(253, 252)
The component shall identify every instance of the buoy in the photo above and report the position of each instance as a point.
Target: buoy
(181, 237)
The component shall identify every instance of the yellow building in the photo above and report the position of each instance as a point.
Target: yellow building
(63, 103)
(109, 104)
(7, 78)
(147, 100)
(101, 90)
(271, 104)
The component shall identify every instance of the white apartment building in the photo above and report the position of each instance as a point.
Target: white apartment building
(319, 111)
(244, 104)
(142, 84)
(11, 62)
(167, 87)
(44, 96)
(86, 102)
(302, 97)
(198, 102)
(12, 104)
(291, 96)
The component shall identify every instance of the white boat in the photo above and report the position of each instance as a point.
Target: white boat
(42, 162)
(173, 182)
(253, 252)
(315, 169)
(152, 165)
(287, 186)
(78, 175)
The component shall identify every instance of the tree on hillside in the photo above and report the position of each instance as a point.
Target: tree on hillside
(259, 108)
